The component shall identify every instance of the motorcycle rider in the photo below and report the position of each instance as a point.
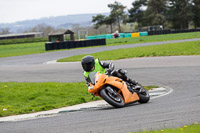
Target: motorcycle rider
(90, 64)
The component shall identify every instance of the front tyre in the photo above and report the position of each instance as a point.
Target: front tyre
(113, 99)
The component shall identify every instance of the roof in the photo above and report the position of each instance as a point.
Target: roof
(22, 34)
(61, 32)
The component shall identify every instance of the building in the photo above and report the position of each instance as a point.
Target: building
(60, 36)
(21, 35)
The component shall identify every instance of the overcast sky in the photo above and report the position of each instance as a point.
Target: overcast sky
(16, 10)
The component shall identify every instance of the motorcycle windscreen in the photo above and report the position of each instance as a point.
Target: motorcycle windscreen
(92, 76)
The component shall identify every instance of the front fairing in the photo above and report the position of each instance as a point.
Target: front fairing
(97, 82)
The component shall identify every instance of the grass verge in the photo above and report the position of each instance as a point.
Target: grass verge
(39, 47)
(173, 49)
(21, 98)
(22, 49)
(195, 128)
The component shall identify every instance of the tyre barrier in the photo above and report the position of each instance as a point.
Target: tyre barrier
(73, 44)
(174, 31)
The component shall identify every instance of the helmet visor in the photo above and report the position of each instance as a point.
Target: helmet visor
(88, 66)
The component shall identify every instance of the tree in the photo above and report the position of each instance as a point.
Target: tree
(117, 11)
(42, 28)
(196, 12)
(98, 20)
(180, 13)
(156, 12)
(109, 20)
(136, 14)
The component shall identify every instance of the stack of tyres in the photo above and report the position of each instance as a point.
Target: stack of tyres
(97, 42)
(103, 41)
(74, 44)
(53, 46)
(100, 42)
(56, 45)
(62, 45)
(89, 42)
(77, 45)
(81, 44)
(67, 46)
(86, 43)
(93, 43)
(48, 46)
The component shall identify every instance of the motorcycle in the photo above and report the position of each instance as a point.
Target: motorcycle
(115, 91)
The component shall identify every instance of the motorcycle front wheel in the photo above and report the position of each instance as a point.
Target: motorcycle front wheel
(113, 99)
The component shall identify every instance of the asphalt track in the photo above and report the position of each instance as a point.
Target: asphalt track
(182, 107)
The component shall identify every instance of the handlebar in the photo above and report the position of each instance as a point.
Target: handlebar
(108, 72)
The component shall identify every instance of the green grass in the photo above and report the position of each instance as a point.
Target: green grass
(23, 40)
(39, 47)
(174, 49)
(195, 128)
(21, 98)
(22, 49)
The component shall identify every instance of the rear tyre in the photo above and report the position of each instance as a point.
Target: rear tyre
(114, 100)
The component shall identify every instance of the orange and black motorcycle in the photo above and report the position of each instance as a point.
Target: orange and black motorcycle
(115, 91)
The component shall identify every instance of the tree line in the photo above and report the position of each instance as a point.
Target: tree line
(170, 14)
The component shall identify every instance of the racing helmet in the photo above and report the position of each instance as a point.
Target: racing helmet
(87, 63)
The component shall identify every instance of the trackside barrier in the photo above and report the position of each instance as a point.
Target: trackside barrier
(127, 35)
(137, 34)
(122, 35)
(73, 44)
(109, 36)
(92, 37)
(143, 33)
(160, 32)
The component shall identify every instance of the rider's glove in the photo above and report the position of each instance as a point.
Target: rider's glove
(108, 71)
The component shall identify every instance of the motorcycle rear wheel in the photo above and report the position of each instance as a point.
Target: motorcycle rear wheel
(115, 101)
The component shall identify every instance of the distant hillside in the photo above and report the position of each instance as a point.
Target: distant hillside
(57, 22)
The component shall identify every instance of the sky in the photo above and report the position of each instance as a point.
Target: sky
(18, 10)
